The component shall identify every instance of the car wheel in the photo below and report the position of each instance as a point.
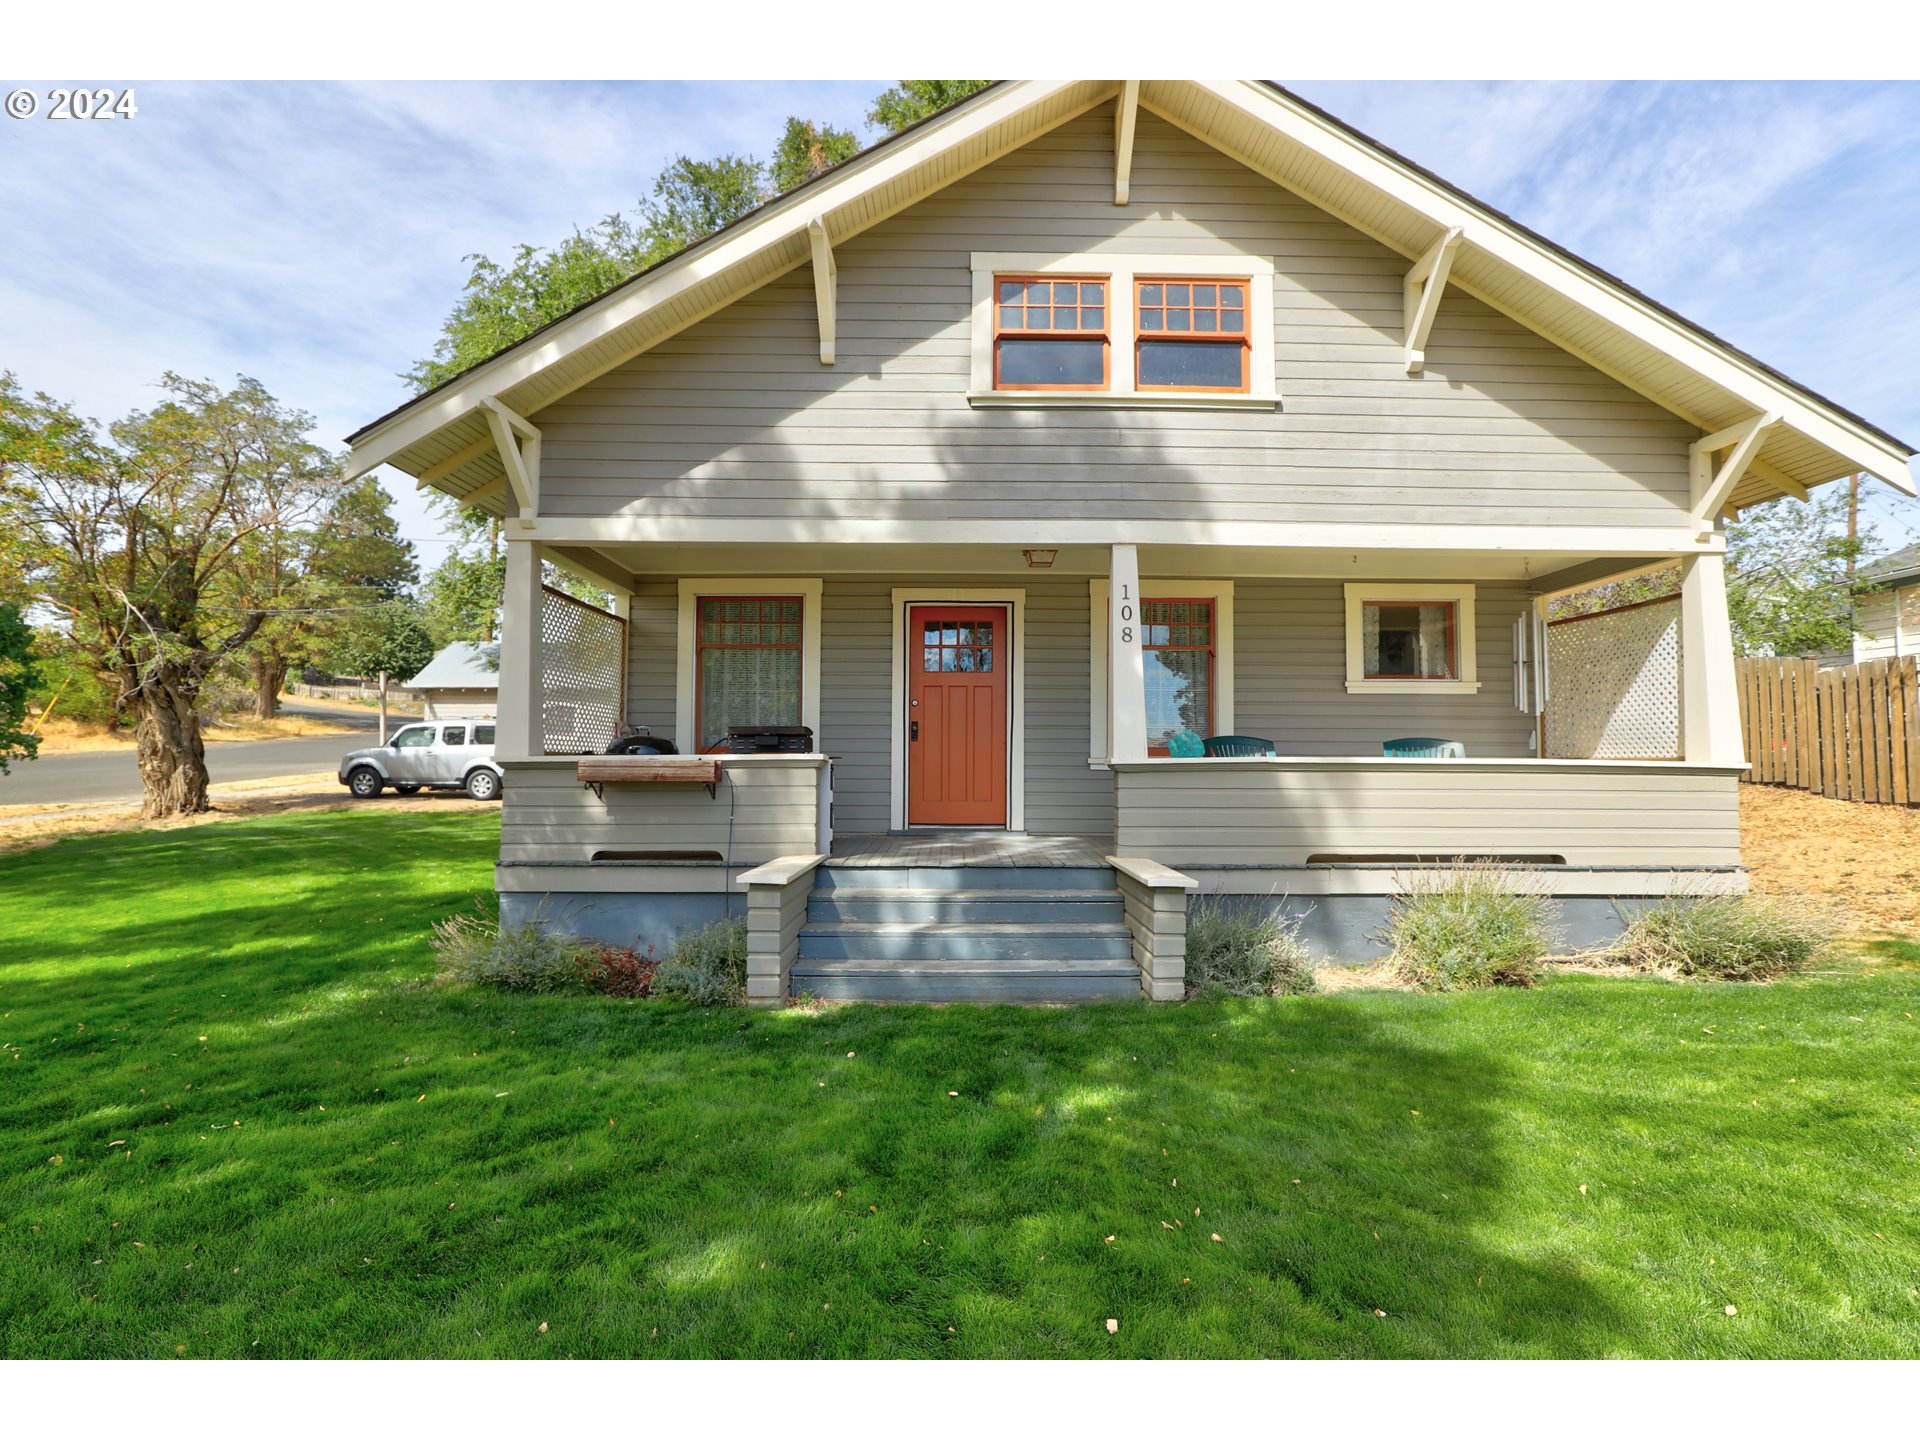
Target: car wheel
(364, 783)
(408, 789)
(483, 785)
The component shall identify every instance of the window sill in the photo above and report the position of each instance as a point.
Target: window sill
(1115, 400)
(1413, 687)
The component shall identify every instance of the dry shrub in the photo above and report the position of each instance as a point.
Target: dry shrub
(532, 956)
(1470, 925)
(1237, 946)
(1729, 937)
(707, 966)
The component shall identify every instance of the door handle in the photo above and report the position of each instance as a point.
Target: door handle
(913, 730)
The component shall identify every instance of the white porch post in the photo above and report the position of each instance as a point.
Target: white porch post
(521, 729)
(1126, 673)
(1709, 693)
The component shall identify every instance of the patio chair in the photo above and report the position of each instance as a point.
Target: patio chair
(1230, 745)
(1423, 747)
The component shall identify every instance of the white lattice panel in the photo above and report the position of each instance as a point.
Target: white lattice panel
(1613, 683)
(583, 671)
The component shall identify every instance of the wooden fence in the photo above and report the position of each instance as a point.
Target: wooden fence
(1852, 732)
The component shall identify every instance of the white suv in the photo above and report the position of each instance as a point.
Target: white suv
(434, 755)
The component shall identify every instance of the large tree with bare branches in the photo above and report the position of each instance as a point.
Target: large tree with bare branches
(137, 539)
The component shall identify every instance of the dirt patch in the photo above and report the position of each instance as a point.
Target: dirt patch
(1866, 858)
(26, 826)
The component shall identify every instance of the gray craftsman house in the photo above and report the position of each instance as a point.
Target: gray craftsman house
(1100, 492)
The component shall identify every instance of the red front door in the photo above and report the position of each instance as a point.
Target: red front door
(957, 714)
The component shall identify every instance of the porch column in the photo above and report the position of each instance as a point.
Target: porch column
(1126, 673)
(1709, 694)
(521, 726)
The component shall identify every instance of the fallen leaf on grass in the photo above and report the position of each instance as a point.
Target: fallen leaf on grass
(953, 1094)
(56, 1160)
(1583, 1189)
(1381, 1313)
(1217, 1237)
(418, 1099)
(543, 1327)
(1731, 1310)
(1165, 1226)
(1109, 1239)
(1113, 1327)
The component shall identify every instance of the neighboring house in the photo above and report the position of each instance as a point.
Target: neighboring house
(1886, 616)
(462, 680)
(1080, 415)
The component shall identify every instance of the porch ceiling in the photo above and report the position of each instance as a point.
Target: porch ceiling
(1225, 561)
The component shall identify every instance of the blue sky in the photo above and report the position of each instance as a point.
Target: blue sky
(313, 235)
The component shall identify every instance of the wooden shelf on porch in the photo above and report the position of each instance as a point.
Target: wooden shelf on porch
(599, 770)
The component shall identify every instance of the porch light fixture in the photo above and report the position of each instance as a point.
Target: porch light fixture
(1040, 559)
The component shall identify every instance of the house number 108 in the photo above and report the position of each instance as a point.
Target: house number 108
(1126, 615)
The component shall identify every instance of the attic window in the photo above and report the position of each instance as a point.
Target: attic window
(1119, 330)
(1050, 333)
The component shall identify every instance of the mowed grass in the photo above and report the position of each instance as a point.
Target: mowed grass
(276, 1135)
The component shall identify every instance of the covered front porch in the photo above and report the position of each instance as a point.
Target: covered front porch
(1588, 751)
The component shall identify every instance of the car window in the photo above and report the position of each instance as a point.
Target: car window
(454, 735)
(483, 734)
(414, 738)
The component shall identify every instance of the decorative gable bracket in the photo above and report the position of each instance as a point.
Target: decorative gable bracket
(1125, 114)
(1712, 488)
(826, 284)
(519, 446)
(1420, 294)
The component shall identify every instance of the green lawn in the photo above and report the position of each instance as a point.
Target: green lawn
(236, 1119)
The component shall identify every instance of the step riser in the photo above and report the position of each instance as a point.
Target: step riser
(840, 878)
(934, 910)
(962, 945)
(905, 987)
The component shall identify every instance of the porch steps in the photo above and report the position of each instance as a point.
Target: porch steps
(1048, 935)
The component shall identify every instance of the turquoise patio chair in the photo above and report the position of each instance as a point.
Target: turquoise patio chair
(1235, 745)
(1423, 747)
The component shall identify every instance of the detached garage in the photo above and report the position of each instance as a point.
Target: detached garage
(463, 680)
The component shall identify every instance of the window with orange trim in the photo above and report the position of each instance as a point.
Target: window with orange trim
(1191, 333)
(747, 656)
(1177, 645)
(1051, 332)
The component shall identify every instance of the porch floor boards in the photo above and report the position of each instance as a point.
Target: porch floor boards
(962, 848)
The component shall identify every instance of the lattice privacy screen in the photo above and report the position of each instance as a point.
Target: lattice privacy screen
(583, 664)
(1614, 684)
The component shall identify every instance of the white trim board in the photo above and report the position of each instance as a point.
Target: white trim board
(686, 729)
(1016, 601)
(1099, 589)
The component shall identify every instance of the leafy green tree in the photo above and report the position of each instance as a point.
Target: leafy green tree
(19, 673)
(461, 599)
(1790, 575)
(914, 100)
(136, 538)
(390, 637)
(807, 150)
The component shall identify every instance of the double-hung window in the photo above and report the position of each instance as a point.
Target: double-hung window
(1191, 334)
(1050, 332)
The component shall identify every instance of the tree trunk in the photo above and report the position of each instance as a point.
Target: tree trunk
(269, 678)
(172, 756)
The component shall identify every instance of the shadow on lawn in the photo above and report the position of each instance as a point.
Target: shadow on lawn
(354, 1163)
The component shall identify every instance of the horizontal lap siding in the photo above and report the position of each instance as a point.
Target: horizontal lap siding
(549, 815)
(1290, 677)
(736, 417)
(1247, 817)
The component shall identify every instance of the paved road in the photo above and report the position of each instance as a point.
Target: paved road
(110, 775)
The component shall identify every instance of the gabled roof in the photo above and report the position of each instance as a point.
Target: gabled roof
(462, 665)
(443, 436)
(1896, 569)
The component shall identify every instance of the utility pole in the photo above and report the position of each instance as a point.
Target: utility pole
(383, 707)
